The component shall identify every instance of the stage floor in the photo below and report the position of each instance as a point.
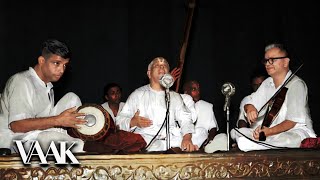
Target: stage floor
(290, 163)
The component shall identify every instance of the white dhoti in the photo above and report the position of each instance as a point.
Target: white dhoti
(198, 137)
(218, 143)
(288, 139)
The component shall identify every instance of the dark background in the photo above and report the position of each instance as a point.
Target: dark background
(114, 40)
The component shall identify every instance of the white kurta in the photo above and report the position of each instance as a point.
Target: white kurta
(245, 101)
(206, 117)
(188, 101)
(205, 122)
(242, 116)
(27, 96)
(109, 110)
(152, 105)
(294, 108)
(201, 129)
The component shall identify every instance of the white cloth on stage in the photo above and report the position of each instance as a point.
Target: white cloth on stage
(218, 143)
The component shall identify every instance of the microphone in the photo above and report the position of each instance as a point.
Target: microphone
(228, 89)
(166, 81)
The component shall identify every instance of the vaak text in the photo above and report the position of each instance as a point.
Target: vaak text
(36, 150)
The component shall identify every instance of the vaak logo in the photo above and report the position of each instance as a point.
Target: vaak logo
(36, 150)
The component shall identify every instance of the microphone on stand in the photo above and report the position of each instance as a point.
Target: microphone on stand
(166, 81)
(228, 89)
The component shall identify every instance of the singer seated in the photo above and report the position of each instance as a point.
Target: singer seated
(145, 113)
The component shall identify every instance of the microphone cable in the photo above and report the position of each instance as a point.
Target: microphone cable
(259, 142)
(164, 122)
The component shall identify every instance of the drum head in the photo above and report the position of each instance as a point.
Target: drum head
(98, 122)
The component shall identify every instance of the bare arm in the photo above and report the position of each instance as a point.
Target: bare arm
(252, 113)
(212, 133)
(67, 118)
(279, 128)
(187, 144)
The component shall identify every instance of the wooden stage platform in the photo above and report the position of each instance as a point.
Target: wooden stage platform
(284, 164)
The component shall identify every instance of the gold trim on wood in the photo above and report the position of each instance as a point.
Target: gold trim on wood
(285, 164)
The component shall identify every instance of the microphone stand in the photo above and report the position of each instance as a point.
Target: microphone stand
(226, 109)
(167, 99)
(228, 90)
(228, 133)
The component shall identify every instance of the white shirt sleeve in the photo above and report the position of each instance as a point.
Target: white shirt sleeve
(206, 118)
(242, 114)
(182, 115)
(124, 117)
(188, 101)
(19, 94)
(297, 100)
(262, 95)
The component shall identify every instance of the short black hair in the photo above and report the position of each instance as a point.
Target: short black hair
(109, 86)
(188, 85)
(53, 46)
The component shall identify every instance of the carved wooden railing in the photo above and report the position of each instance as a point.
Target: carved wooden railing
(266, 164)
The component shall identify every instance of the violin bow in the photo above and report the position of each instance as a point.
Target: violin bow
(278, 91)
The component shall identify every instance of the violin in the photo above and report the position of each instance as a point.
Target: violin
(273, 112)
(277, 101)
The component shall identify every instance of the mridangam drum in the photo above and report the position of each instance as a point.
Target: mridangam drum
(99, 123)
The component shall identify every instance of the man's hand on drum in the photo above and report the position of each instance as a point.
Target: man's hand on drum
(140, 121)
(69, 118)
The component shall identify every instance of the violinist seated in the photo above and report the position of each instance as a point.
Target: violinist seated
(289, 120)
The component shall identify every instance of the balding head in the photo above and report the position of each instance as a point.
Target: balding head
(158, 59)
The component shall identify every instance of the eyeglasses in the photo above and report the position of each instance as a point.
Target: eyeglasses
(271, 60)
